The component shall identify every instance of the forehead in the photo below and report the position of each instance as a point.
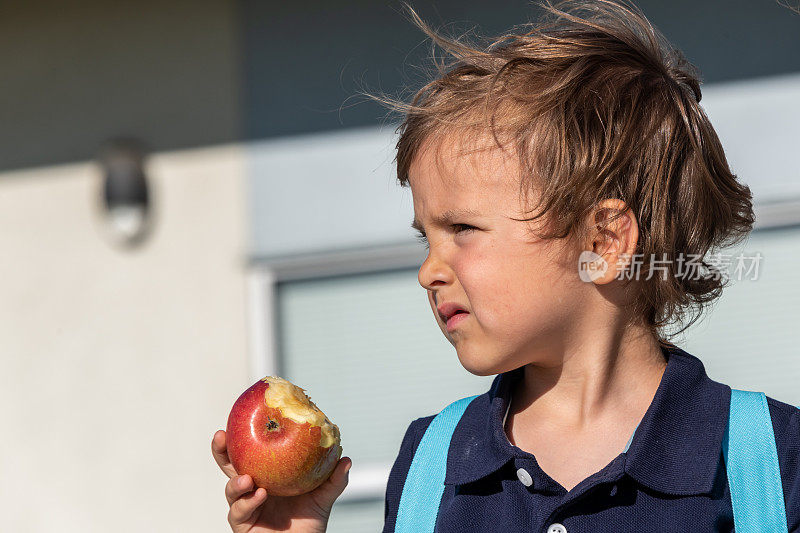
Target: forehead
(463, 170)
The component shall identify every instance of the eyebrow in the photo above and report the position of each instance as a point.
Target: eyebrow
(446, 218)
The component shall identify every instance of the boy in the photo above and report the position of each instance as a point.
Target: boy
(581, 139)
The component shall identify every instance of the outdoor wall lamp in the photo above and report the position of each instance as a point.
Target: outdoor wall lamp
(125, 200)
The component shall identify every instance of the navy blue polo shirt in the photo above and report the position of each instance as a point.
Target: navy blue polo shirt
(671, 478)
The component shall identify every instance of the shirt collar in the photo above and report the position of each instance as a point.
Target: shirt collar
(676, 448)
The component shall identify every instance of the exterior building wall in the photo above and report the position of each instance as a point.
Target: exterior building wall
(119, 366)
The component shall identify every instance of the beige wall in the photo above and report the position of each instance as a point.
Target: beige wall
(118, 367)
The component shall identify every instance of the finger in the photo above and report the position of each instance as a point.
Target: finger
(326, 494)
(238, 486)
(243, 509)
(220, 451)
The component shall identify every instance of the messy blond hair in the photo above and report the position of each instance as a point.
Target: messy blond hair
(596, 104)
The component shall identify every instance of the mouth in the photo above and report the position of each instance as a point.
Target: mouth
(449, 309)
(455, 319)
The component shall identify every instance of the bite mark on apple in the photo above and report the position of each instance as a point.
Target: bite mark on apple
(296, 405)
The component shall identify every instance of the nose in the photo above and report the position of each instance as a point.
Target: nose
(433, 273)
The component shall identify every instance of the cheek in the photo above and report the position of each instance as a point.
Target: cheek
(516, 290)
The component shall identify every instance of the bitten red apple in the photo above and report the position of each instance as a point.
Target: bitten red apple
(281, 439)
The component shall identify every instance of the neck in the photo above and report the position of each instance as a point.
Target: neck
(585, 383)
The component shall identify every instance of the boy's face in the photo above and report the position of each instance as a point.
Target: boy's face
(523, 295)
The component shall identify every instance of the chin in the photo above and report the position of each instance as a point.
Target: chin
(477, 363)
(488, 361)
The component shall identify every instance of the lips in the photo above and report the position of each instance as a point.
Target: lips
(448, 309)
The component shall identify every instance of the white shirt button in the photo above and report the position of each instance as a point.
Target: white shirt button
(556, 528)
(525, 477)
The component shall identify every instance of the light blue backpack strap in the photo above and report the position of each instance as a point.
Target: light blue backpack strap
(424, 485)
(751, 460)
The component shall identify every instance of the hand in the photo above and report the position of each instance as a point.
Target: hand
(256, 512)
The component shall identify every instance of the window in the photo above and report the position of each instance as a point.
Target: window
(360, 337)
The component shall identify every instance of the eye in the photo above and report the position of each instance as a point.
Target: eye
(458, 228)
(463, 228)
(421, 237)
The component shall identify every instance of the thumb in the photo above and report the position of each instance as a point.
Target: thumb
(333, 487)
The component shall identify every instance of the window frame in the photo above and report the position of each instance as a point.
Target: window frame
(264, 274)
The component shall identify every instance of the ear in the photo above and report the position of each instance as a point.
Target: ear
(612, 235)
